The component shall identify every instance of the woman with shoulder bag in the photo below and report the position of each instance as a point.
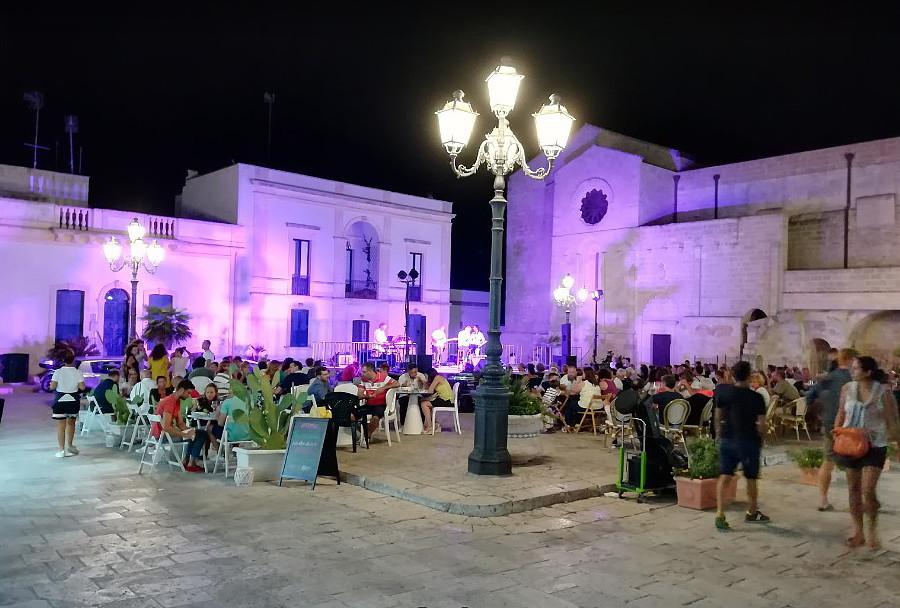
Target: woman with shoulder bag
(866, 416)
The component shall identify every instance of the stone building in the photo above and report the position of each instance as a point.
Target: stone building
(714, 263)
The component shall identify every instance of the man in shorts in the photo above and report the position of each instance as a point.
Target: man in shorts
(741, 423)
(828, 391)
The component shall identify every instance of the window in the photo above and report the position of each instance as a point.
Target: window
(299, 327)
(415, 288)
(300, 279)
(160, 300)
(69, 314)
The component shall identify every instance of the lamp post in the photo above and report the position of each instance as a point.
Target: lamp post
(140, 254)
(595, 296)
(408, 278)
(501, 152)
(567, 300)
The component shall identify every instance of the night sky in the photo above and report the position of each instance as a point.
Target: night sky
(158, 93)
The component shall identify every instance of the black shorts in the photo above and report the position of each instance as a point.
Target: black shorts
(216, 431)
(875, 457)
(438, 402)
(65, 409)
(372, 410)
(740, 451)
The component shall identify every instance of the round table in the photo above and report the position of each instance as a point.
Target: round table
(413, 424)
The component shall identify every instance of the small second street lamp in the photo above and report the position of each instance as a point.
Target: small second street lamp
(596, 295)
(409, 278)
(566, 300)
(139, 255)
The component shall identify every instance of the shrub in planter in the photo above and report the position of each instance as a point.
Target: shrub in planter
(268, 421)
(524, 422)
(696, 486)
(809, 460)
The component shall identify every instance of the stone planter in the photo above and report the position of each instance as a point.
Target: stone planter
(809, 476)
(701, 493)
(266, 464)
(523, 438)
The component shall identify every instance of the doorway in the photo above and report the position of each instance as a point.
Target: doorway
(662, 346)
(115, 322)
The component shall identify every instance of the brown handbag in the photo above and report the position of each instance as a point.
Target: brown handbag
(850, 442)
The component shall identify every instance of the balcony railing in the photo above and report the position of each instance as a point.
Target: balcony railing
(361, 289)
(74, 218)
(299, 285)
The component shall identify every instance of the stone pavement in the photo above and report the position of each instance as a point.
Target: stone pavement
(87, 531)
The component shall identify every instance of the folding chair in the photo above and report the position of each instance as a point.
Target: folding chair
(156, 447)
(597, 404)
(226, 446)
(140, 429)
(454, 409)
(95, 414)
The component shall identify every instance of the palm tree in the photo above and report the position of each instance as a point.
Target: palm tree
(166, 325)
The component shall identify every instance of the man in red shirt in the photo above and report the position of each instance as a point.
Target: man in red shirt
(374, 391)
(169, 408)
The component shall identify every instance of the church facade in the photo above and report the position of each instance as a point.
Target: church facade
(773, 260)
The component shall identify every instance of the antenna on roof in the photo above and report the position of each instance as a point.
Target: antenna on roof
(269, 99)
(71, 122)
(35, 101)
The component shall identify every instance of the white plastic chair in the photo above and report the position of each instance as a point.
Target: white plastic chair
(390, 415)
(95, 414)
(300, 388)
(155, 447)
(226, 446)
(200, 383)
(347, 387)
(141, 428)
(454, 409)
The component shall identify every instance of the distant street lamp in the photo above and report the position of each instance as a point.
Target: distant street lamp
(595, 296)
(140, 254)
(409, 278)
(501, 151)
(566, 300)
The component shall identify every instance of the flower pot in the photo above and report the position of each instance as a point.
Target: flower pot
(809, 476)
(701, 493)
(243, 476)
(266, 464)
(522, 438)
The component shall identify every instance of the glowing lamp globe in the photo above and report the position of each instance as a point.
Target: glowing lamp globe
(553, 124)
(155, 254)
(560, 294)
(503, 87)
(135, 230)
(568, 281)
(582, 295)
(455, 121)
(138, 250)
(112, 250)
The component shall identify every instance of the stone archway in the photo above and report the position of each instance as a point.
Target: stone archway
(818, 355)
(878, 336)
(753, 315)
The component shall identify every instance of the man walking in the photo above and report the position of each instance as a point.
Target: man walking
(741, 423)
(828, 392)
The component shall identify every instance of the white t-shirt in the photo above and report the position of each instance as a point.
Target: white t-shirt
(208, 355)
(618, 382)
(67, 380)
(419, 382)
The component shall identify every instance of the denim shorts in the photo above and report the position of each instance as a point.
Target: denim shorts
(733, 452)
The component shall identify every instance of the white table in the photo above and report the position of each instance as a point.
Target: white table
(413, 423)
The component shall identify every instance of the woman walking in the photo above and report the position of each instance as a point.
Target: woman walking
(68, 383)
(866, 404)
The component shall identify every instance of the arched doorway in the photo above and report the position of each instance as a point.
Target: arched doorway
(878, 336)
(115, 322)
(754, 315)
(818, 355)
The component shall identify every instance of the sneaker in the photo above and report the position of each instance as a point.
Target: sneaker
(757, 518)
(72, 450)
(722, 524)
(61, 454)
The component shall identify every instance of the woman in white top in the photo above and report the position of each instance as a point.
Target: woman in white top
(758, 383)
(590, 389)
(68, 383)
(178, 363)
(866, 404)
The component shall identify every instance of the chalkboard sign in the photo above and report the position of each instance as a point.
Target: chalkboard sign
(308, 439)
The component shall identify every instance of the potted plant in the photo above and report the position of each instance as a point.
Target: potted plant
(268, 422)
(524, 422)
(120, 416)
(809, 460)
(696, 486)
(166, 325)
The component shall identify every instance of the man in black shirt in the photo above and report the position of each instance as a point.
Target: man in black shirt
(664, 397)
(741, 424)
(293, 378)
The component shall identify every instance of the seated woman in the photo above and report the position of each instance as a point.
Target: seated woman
(169, 408)
(208, 404)
(162, 390)
(590, 390)
(758, 384)
(442, 396)
(237, 431)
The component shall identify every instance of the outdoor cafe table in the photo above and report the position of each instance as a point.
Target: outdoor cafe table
(413, 423)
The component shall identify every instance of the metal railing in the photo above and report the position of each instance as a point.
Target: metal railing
(361, 289)
(299, 285)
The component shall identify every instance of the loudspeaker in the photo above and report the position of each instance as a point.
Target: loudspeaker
(418, 334)
(565, 341)
(360, 330)
(572, 360)
(423, 362)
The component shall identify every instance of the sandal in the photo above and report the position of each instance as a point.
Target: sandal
(722, 524)
(757, 518)
(826, 507)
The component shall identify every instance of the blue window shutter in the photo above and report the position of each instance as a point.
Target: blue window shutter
(69, 314)
(160, 300)
(299, 327)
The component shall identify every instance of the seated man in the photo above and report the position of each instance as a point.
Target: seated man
(169, 408)
(374, 391)
(99, 392)
(222, 380)
(200, 369)
(784, 389)
(294, 377)
(411, 379)
(319, 387)
(141, 390)
(668, 394)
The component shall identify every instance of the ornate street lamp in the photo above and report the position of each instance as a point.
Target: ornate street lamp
(140, 254)
(595, 296)
(501, 152)
(567, 300)
(409, 278)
